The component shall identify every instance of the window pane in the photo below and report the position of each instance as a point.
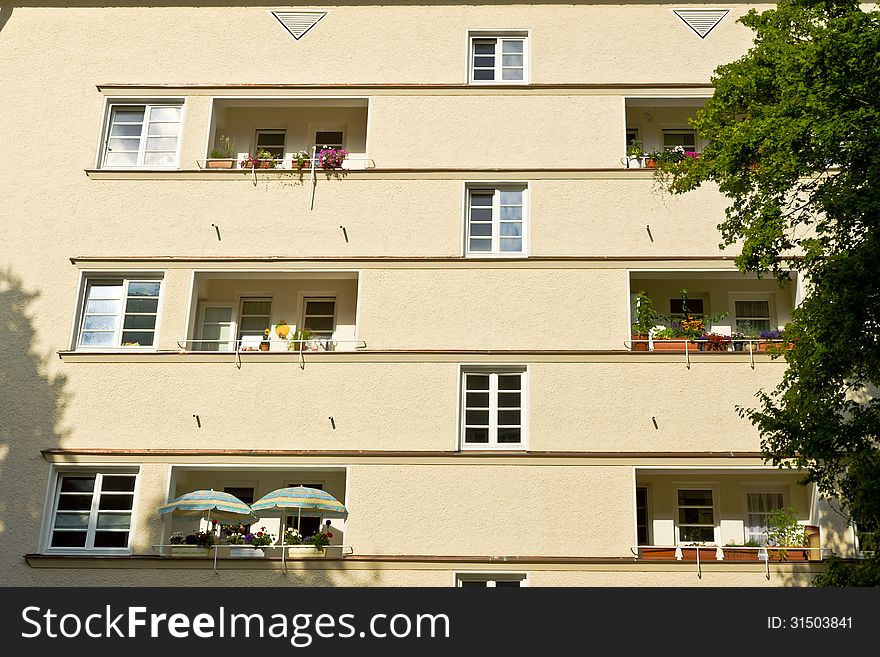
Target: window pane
(320, 307)
(214, 315)
(162, 144)
(512, 60)
(480, 418)
(74, 502)
(482, 199)
(126, 130)
(508, 400)
(103, 339)
(481, 230)
(753, 309)
(120, 159)
(121, 483)
(477, 381)
(256, 307)
(484, 62)
(160, 159)
(481, 214)
(68, 539)
(164, 130)
(148, 289)
(695, 498)
(132, 339)
(477, 400)
(509, 381)
(122, 502)
(329, 137)
(72, 521)
(319, 323)
(511, 229)
(691, 516)
(103, 306)
(142, 305)
(480, 245)
(165, 114)
(111, 539)
(139, 322)
(120, 144)
(472, 435)
(484, 48)
(511, 584)
(515, 46)
(128, 115)
(271, 139)
(114, 520)
(484, 74)
(511, 212)
(100, 322)
(511, 245)
(471, 583)
(509, 435)
(509, 417)
(697, 534)
(512, 74)
(77, 484)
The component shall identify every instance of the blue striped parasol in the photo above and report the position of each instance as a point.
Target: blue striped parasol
(211, 505)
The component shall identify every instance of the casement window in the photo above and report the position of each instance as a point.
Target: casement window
(255, 316)
(329, 138)
(490, 580)
(493, 409)
(142, 135)
(696, 516)
(685, 138)
(119, 312)
(496, 221)
(499, 59)
(751, 316)
(218, 328)
(92, 511)
(271, 141)
(758, 508)
(319, 316)
(694, 307)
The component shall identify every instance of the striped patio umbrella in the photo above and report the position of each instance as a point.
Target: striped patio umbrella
(306, 501)
(211, 505)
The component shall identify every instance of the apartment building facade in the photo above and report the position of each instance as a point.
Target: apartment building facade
(470, 390)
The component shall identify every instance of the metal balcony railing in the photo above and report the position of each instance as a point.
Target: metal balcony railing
(689, 346)
(237, 347)
(342, 550)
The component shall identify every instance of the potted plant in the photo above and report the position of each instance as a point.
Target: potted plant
(282, 329)
(714, 342)
(733, 551)
(303, 160)
(785, 535)
(223, 156)
(293, 540)
(262, 159)
(331, 158)
(771, 337)
(300, 340)
(634, 155)
(264, 343)
(646, 319)
(688, 329)
(320, 539)
(248, 544)
(197, 544)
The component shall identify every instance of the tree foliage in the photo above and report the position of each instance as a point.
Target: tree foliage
(793, 132)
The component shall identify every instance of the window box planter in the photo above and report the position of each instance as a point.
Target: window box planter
(675, 345)
(650, 163)
(707, 553)
(220, 164)
(304, 552)
(190, 551)
(739, 554)
(245, 551)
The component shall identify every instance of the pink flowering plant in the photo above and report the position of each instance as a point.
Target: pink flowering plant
(331, 158)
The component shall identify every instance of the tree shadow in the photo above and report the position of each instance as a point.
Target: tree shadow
(31, 404)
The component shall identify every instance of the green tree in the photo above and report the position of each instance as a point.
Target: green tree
(793, 132)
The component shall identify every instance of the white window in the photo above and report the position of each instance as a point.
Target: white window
(684, 137)
(255, 317)
(751, 316)
(498, 59)
(271, 141)
(218, 328)
(496, 221)
(142, 135)
(490, 580)
(92, 511)
(493, 409)
(696, 516)
(329, 138)
(759, 507)
(119, 312)
(319, 316)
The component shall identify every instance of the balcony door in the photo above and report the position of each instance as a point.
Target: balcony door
(218, 327)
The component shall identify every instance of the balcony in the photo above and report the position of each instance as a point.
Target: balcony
(734, 312)
(277, 311)
(659, 124)
(285, 127)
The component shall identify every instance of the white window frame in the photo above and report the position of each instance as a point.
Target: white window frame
(320, 297)
(270, 131)
(493, 443)
(760, 490)
(679, 131)
(126, 278)
(490, 578)
(240, 314)
(200, 327)
(148, 104)
(715, 509)
(53, 490)
(499, 36)
(496, 189)
(769, 297)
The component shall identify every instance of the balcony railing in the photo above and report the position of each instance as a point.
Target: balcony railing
(700, 554)
(335, 550)
(237, 347)
(688, 346)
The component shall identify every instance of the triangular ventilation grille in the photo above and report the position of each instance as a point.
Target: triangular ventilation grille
(299, 22)
(701, 21)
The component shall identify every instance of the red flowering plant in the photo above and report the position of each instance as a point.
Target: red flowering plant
(260, 160)
(714, 342)
(321, 538)
(331, 158)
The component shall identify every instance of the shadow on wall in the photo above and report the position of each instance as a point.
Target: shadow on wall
(30, 407)
(5, 13)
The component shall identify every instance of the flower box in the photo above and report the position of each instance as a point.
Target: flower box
(739, 554)
(245, 551)
(190, 551)
(304, 551)
(707, 553)
(675, 345)
(220, 164)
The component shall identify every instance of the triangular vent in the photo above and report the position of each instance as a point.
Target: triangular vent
(701, 21)
(299, 22)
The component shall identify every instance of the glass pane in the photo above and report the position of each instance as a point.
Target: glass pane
(142, 305)
(477, 418)
(105, 306)
(114, 520)
(471, 583)
(481, 199)
(77, 484)
(74, 502)
(105, 291)
(484, 74)
(120, 502)
(509, 381)
(320, 307)
(511, 229)
(100, 322)
(480, 245)
(509, 435)
(121, 483)
(510, 584)
(124, 130)
(160, 159)
(254, 323)
(508, 400)
(256, 307)
(164, 130)
(271, 139)
(110, 539)
(68, 539)
(120, 159)
(484, 62)
(328, 137)
(165, 114)
(690, 516)
(128, 115)
(477, 400)
(137, 339)
(143, 289)
(477, 381)
(511, 74)
(101, 339)
(509, 417)
(512, 46)
(319, 323)
(481, 214)
(214, 315)
(512, 60)
(511, 245)
(753, 309)
(695, 498)
(71, 521)
(484, 48)
(161, 143)
(697, 534)
(511, 212)
(139, 322)
(123, 144)
(481, 230)
(476, 435)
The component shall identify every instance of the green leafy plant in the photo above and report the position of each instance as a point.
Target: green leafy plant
(292, 537)
(298, 339)
(634, 149)
(646, 317)
(319, 539)
(783, 530)
(225, 148)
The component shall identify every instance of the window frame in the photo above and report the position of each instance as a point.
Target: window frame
(491, 579)
(233, 322)
(315, 128)
(498, 36)
(769, 297)
(50, 507)
(496, 188)
(127, 277)
(716, 505)
(116, 101)
(319, 298)
(242, 298)
(493, 444)
(679, 131)
(761, 490)
(258, 132)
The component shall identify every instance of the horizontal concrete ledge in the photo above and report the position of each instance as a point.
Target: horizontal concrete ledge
(425, 562)
(710, 262)
(420, 356)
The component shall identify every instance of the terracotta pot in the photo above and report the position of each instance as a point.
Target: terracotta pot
(687, 553)
(650, 163)
(675, 345)
(739, 554)
(639, 346)
(264, 346)
(220, 164)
